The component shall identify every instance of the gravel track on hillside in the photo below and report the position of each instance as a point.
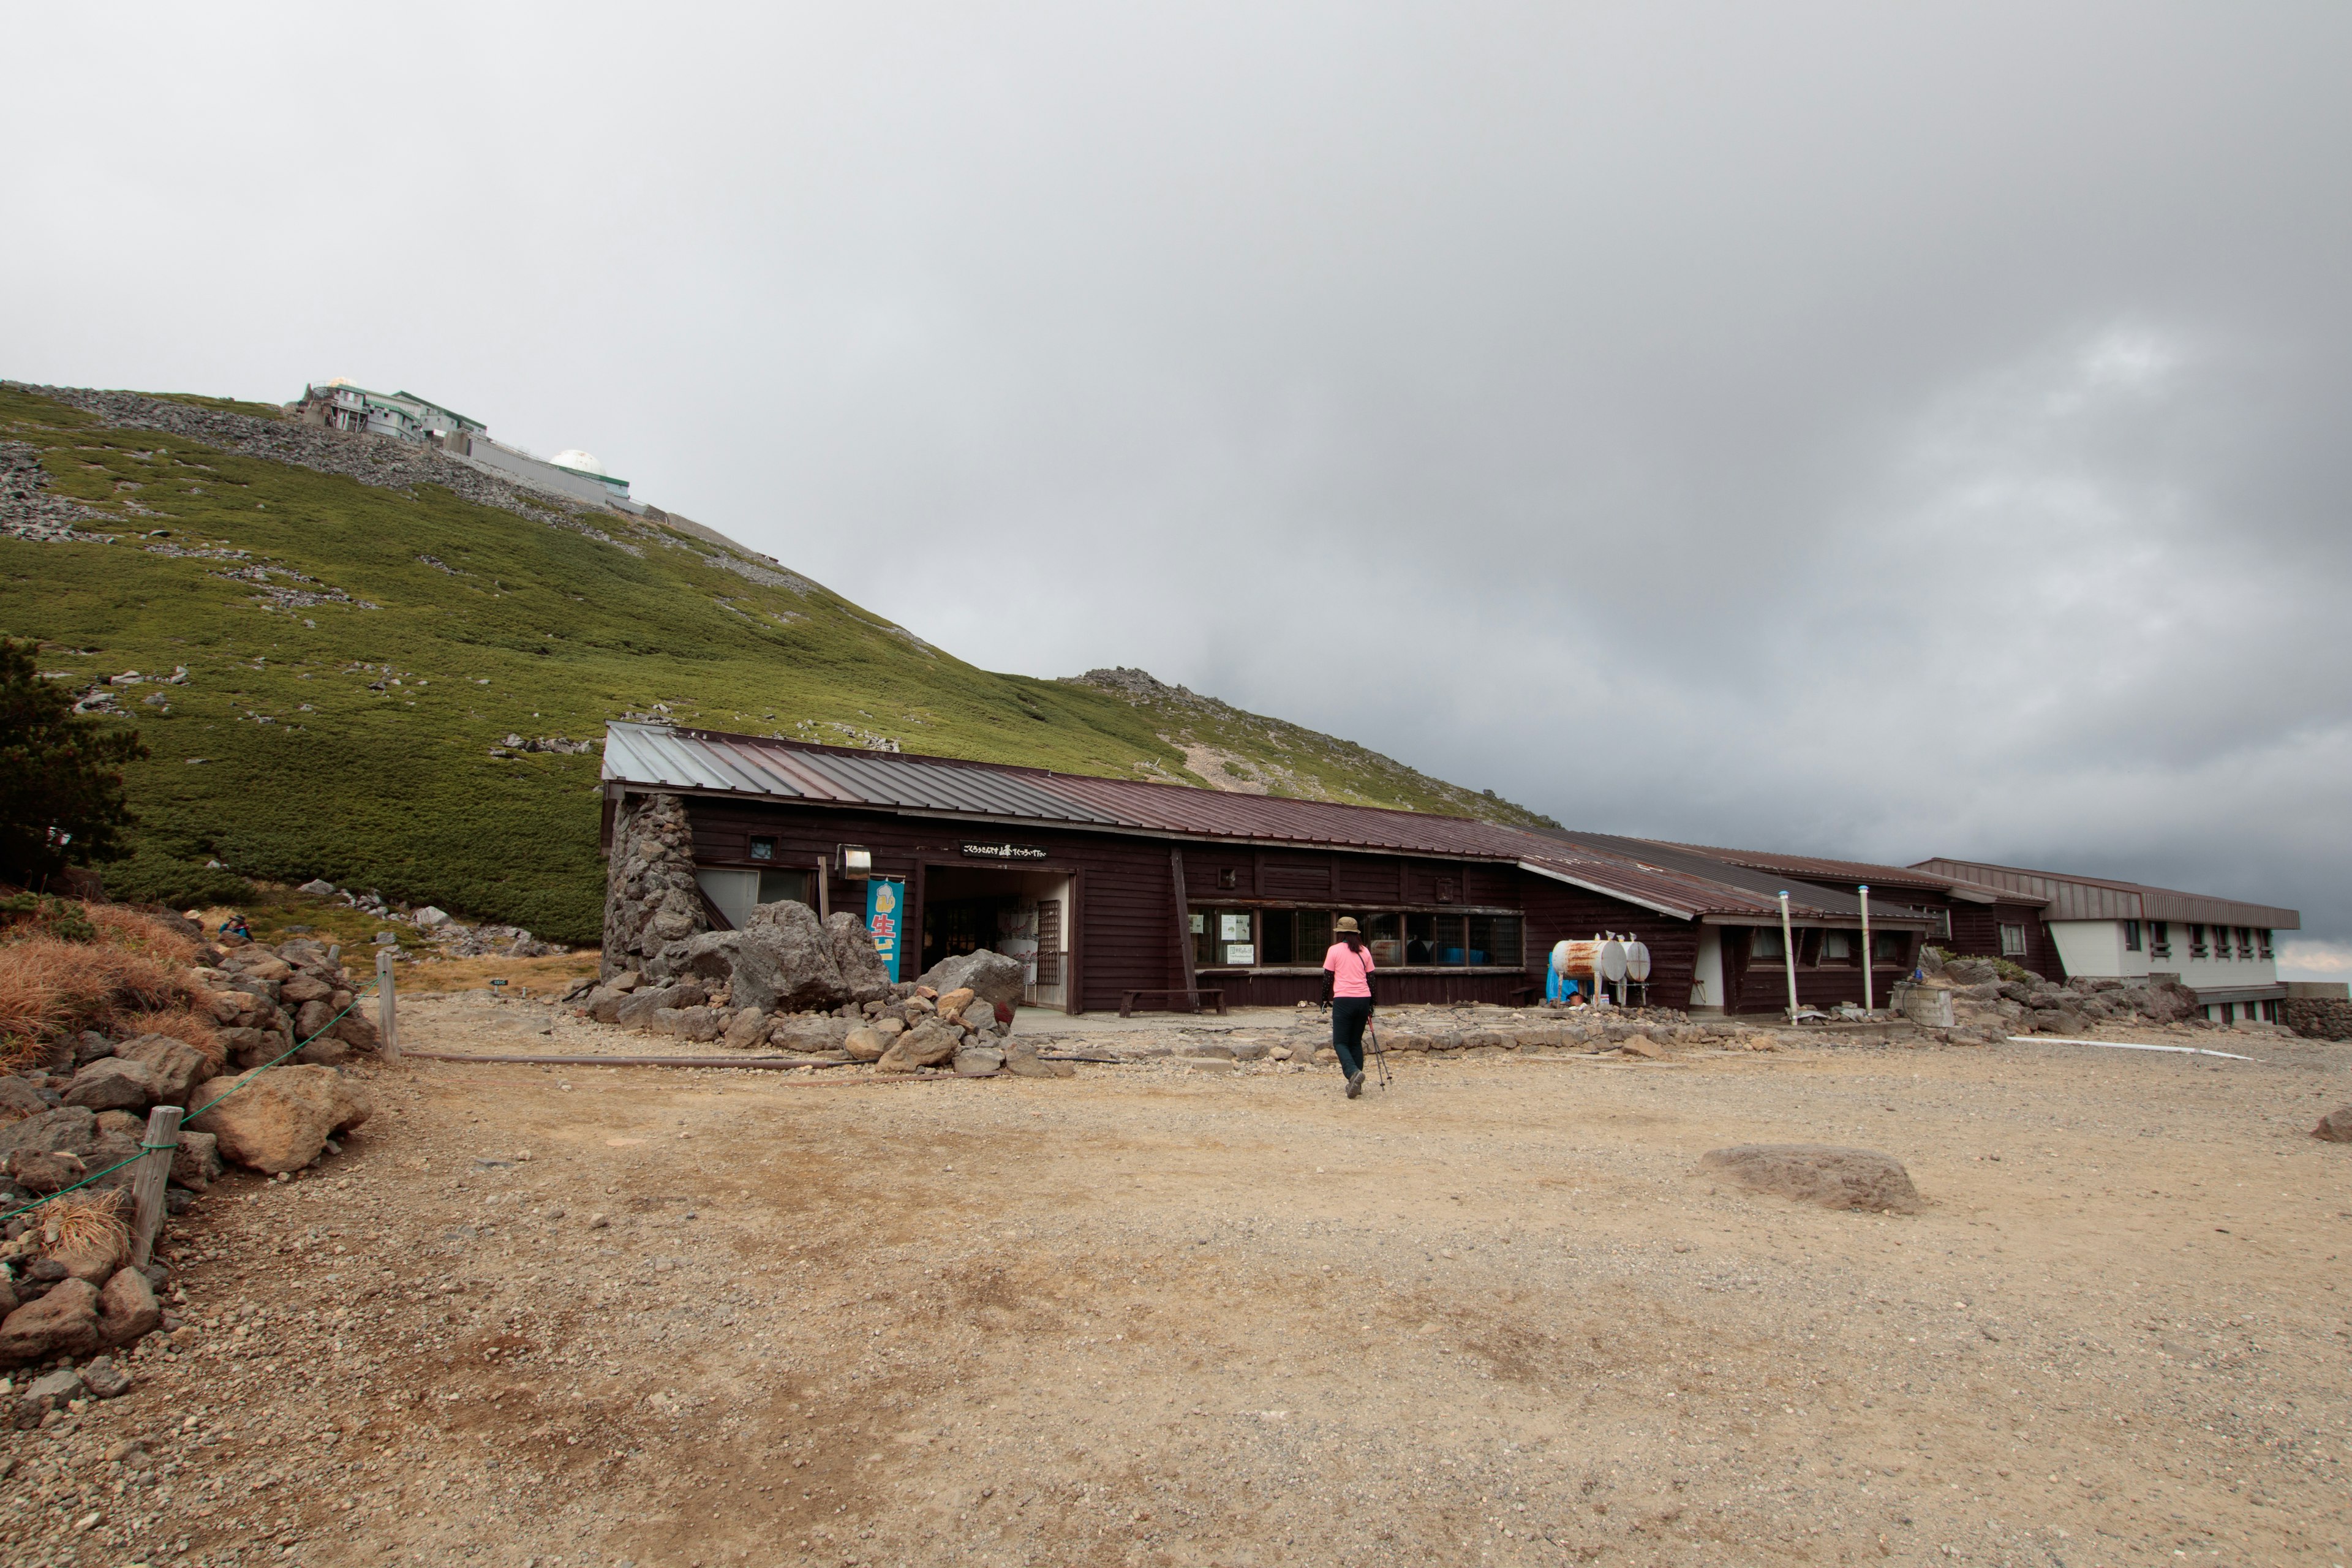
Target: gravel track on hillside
(1152, 1317)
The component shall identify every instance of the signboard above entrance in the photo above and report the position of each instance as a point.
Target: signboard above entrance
(1004, 851)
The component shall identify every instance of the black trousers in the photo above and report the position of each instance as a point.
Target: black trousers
(1348, 1016)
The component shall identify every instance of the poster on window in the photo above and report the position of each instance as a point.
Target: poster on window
(1232, 928)
(884, 900)
(1240, 952)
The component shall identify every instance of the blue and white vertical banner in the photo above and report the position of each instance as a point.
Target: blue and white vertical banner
(885, 900)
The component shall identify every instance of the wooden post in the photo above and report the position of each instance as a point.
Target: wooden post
(1869, 1003)
(147, 1181)
(1789, 956)
(1185, 930)
(387, 1012)
(823, 898)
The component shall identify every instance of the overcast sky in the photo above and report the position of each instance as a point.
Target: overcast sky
(1885, 430)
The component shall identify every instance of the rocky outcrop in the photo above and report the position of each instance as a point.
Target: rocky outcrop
(864, 976)
(991, 976)
(651, 897)
(64, 1322)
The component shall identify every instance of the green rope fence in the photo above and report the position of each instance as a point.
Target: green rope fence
(145, 1149)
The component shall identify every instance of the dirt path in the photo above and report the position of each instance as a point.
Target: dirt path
(580, 1316)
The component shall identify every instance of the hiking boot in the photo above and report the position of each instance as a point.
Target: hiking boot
(1355, 1084)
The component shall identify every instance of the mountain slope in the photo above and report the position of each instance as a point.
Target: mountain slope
(334, 637)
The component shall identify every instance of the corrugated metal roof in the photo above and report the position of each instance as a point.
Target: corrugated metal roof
(703, 761)
(1807, 900)
(1829, 871)
(2072, 897)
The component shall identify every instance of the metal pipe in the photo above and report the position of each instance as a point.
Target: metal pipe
(766, 1064)
(1868, 1006)
(1789, 956)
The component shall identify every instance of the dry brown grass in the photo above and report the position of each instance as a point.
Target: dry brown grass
(128, 928)
(545, 976)
(192, 1025)
(132, 976)
(85, 1221)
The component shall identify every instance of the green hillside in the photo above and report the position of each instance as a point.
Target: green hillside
(355, 654)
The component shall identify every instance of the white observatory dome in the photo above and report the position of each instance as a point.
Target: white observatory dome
(575, 458)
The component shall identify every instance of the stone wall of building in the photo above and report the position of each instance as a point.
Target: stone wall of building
(2318, 1019)
(651, 897)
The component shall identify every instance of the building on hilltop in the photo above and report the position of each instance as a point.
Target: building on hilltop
(404, 416)
(2222, 949)
(340, 406)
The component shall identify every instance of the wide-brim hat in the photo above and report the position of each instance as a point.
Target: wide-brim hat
(1348, 926)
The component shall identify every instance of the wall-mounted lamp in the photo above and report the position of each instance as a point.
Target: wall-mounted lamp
(857, 862)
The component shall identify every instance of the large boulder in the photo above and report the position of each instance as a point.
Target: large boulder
(864, 976)
(113, 1083)
(19, 1099)
(928, 1043)
(281, 1119)
(788, 962)
(810, 1032)
(62, 1322)
(865, 1044)
(43, 1170)
(178, 1066)
(126, 1307)
(1021, 1060)
(358, 1030)
(2335, 1127)
(699, 1024)
(196, 1163)
(69, 1129)
(978, 1061)
(991, 976)
(95, 1258)
(1819, 1174)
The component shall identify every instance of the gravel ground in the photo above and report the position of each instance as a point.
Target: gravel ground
(1161, 1315)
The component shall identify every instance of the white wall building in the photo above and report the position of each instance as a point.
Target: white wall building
(2222, 949)
(340, 405)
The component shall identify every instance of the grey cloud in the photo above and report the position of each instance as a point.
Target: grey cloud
(1897, 430)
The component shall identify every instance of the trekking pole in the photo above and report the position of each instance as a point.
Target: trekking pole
(1379, 1053)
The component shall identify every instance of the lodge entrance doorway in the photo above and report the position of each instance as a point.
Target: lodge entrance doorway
(1022, 914)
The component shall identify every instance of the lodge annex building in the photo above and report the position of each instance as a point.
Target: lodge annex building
(1108, 886)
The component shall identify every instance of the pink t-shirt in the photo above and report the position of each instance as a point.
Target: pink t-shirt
(1351, 971)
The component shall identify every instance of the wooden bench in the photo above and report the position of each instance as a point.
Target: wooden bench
(1178, 1000)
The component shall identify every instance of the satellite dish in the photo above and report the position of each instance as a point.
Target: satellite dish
(1613, 961)
(1637, 962)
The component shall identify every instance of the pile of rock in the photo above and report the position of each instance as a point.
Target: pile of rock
(790, 983)
(266, 998)
(68, 1295)
(1985, 997)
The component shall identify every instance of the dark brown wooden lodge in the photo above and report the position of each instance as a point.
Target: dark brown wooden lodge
(1118, 886)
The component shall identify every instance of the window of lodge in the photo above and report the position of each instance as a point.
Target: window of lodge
(1228, 938)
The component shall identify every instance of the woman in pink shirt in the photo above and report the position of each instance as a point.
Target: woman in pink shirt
(1347, 991)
